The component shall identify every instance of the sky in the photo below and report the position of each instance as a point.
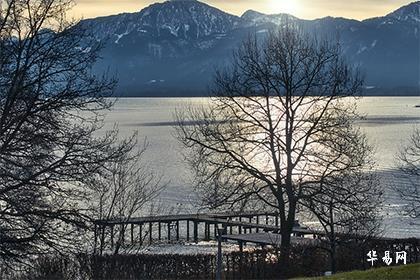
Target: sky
(305, 9)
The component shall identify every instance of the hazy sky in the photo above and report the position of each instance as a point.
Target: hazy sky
(306, 9)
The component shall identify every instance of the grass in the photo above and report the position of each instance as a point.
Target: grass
(405, 272)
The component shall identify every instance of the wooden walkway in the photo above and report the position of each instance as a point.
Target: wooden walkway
(194, 227)
(189, 227)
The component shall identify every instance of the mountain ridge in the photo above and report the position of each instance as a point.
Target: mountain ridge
(174, 46)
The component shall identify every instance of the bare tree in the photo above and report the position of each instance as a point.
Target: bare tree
(347, 206)
(123, 192)
(51, 107)
(409, 160)
(270, 132)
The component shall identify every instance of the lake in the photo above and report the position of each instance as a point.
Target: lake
(388, 125)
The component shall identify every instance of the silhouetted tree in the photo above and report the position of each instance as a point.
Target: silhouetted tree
(271, 131)
(347, 206)
(127, 189)
(409, 160)
(51, 108)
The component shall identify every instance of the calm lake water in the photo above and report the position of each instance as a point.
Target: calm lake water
(388, 125)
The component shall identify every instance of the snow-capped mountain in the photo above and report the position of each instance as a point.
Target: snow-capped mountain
(187, 19)
(409, 12)
(172, 48)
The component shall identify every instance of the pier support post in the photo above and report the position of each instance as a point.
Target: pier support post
(122, 233)
(258, 222)
(206, 231)
(159, 231)
(141, 234)
(177, 230)
(169, 232)
(150, 233)
(132, 234)
(195, 232)
(188, 230)
(112, 237)
(215, 231)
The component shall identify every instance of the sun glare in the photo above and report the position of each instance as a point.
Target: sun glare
(284, 6)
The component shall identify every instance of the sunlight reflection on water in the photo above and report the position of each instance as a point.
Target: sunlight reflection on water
(388, 124)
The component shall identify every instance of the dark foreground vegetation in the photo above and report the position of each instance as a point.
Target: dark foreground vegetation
(306, 261)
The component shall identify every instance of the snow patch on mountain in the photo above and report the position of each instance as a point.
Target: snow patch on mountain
(84, 50)
(119, 36)
(262, 31)
(362, 49)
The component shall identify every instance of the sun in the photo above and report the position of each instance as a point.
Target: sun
(284, 6)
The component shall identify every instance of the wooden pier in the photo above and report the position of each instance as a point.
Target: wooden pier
(196, 227)
(190, 227)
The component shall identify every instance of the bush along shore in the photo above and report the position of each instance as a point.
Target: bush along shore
(306, 261)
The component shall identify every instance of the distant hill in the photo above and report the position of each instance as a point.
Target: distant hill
(172, 48)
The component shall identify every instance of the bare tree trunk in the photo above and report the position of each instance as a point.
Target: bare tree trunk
(333, 255)
(276, 129)
(102, 240)
(332, 239)
(120, 240)
(286, 245)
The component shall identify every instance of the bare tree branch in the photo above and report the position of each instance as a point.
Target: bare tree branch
(280, 124)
